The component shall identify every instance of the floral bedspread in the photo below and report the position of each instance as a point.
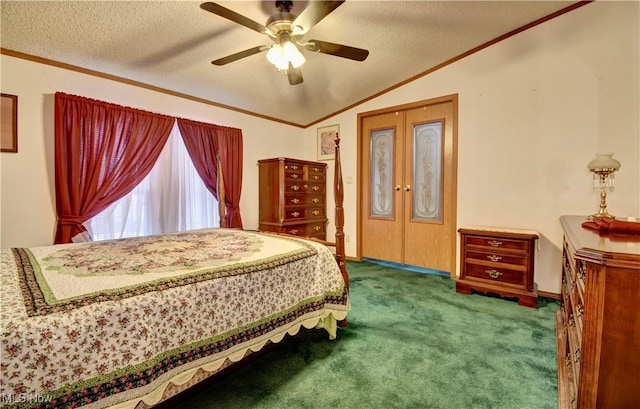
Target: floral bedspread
(106, 322)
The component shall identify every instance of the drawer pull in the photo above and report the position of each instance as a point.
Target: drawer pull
(317, 228)
(295, 176)
(295, 214)
(316, 169)
(295, 200)
(316, 212)
(316, 177)
(293, 231)
(316, 188)
(315, 200)
(294, 167)
(495, 243)
(493, 273)
(295, 187)
(494, 258)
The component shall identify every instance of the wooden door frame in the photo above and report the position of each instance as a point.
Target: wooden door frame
(453, 98)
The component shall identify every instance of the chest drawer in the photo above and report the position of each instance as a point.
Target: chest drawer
(305, 213)
(304, 187)
(316, 229)
(304, 200)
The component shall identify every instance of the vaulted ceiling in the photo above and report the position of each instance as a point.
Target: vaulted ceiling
(169, 46)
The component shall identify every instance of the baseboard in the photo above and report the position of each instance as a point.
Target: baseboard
(547, 294)
(407, 267)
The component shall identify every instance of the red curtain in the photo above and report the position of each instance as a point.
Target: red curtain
(230, 149)
(204, 141)
(102, 151)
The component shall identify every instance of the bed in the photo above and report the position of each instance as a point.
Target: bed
(129, 323)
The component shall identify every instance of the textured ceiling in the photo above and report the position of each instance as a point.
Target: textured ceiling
(170, 45)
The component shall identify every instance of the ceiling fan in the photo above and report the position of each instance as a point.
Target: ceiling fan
(286, 30)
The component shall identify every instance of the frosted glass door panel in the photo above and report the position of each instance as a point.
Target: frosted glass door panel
(381, 173)
(427, 171)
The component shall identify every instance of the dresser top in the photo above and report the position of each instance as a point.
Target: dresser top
(600, 245)
(490, 229)
(283, 159)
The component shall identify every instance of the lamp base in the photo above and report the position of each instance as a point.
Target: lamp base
(600, 215)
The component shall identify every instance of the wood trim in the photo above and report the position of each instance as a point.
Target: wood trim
(451, 98)
(138, 84)
(58, 64)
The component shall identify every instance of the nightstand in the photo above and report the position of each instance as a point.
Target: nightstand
(499, 261)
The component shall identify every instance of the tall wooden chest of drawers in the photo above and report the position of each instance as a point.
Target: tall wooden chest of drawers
(499, 262)
(598, 325)
(292, 197)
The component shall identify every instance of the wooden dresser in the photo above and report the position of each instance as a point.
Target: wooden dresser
(499, 262)
(598, 326)
(292, 197)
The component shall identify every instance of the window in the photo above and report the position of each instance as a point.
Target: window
(171, 198)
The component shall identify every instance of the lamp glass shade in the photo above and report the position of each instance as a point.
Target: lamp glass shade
(276, 56)
(292, 54)
(281, 54)
(604, 161)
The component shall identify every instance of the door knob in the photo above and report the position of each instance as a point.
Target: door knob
(407, 188)
(397, 188)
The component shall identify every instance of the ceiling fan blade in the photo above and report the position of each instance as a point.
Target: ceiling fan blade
(235, 17)
(294, 75)
(241, 54)
(312, 14)
(338, 50)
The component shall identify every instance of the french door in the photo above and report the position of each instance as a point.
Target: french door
(408, 168)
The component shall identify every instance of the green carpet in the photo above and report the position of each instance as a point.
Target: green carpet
(412, 342)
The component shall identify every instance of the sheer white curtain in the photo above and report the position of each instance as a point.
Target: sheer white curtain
(171, 198)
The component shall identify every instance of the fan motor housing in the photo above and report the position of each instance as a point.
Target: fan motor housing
(280, 22)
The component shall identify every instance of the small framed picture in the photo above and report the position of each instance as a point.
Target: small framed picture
(9, 123)
(326, 142)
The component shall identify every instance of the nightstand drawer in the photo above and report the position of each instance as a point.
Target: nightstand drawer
(496, 242)
(502, 275)
(496, 257)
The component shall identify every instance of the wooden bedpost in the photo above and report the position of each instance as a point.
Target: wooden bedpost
(339, 199)
(220, 188)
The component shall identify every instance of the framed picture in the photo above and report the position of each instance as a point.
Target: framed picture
(9, 119)
(326, 142)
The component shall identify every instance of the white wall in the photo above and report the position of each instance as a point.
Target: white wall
(27, 189)
(533, 111)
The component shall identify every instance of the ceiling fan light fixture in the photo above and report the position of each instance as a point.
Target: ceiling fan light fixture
(292, 54)
(276, 56)
(281, 55)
